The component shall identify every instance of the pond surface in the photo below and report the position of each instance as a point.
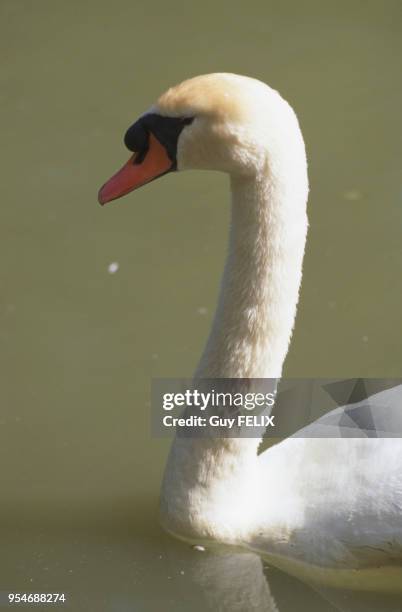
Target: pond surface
(95, 302)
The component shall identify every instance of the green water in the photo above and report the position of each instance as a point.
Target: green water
(80, 473)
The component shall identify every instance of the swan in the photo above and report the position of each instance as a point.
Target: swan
(327, 504)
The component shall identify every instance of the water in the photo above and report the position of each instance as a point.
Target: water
(94, 302)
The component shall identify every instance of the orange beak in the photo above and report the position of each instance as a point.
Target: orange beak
(132, 175)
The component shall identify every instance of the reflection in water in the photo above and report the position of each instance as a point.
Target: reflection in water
(233, 582)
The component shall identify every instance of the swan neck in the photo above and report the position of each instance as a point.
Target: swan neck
(260, 285)
(211, 486)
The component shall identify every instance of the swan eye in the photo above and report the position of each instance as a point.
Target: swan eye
(166, 129)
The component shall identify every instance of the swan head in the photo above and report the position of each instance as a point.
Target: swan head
(221, 121)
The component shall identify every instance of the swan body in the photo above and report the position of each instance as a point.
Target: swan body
(330, 503)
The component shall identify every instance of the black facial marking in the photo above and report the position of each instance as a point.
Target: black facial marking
(166, 129)
(136, 140)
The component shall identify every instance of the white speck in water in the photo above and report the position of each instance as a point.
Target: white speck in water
(182, 572)
(113, 267)
(365, 338)
(160, 556)
(352, 195)
(202, 310)
(199, 548)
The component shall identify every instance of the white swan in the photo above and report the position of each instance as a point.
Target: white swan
(321, 503)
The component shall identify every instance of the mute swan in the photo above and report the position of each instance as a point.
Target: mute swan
(321, 503)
